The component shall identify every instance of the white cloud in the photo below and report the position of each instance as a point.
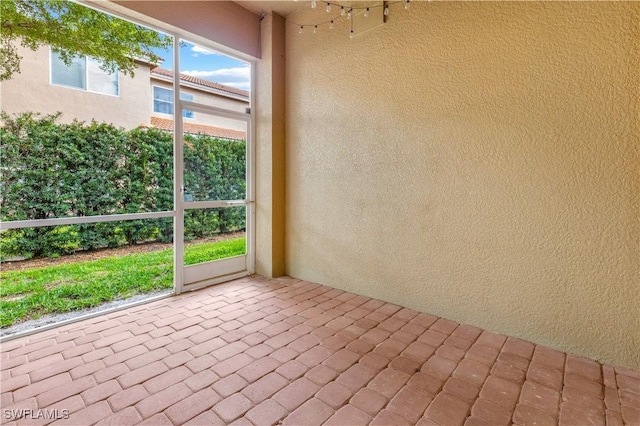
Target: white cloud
(238, 77)
(203, 51)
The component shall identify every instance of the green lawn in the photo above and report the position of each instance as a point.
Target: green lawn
(32, 293)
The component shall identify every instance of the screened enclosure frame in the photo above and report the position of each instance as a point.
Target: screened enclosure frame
(179, 206)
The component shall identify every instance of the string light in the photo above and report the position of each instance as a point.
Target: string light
(347, 11)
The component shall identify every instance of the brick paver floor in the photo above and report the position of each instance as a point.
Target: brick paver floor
(263, 352)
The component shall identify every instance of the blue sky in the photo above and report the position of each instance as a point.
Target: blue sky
(209, 65)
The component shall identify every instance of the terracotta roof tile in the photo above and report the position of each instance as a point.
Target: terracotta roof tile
(202, 82)
(191, 128)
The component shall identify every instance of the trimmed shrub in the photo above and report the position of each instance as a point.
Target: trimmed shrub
(52, 170)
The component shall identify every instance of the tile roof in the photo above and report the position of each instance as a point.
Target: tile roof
(191, 128)
(202, 82)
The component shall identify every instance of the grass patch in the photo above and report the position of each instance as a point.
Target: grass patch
(62, 288)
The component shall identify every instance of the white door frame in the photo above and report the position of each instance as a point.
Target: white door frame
(193, 277)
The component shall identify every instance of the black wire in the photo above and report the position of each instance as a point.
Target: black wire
(347, 9)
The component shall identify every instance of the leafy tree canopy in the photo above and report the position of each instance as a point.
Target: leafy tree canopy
(73, 29)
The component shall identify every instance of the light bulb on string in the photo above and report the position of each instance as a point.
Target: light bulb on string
(342, 11)
(406, 4)
(313, 4)
(351, 34)
(366, 13)
(301, 28)
(315, 29)
(349, 14)
(386, 10)
(328, 8)
(331, 25)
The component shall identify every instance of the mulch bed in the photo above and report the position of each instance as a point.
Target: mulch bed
(21, 265)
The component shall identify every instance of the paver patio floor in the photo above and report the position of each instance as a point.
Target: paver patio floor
(262, 352)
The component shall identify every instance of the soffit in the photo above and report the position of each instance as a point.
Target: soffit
(282, 8)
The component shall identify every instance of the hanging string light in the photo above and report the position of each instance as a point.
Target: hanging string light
(347, 12)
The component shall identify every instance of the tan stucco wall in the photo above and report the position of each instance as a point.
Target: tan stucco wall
(204, 98)
(31, 90)
(476, 160)
(270, 149)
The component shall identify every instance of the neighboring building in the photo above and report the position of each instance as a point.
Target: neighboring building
(33, 90)
(196, 90)
(84, 92)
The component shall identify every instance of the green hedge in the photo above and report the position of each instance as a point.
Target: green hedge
(52, 170)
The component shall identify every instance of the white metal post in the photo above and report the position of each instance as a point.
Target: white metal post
(178, 174)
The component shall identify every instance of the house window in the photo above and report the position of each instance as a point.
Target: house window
(163, 101)
(83, 73)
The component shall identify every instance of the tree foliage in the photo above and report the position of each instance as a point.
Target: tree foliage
(73, 29)
(52, 170)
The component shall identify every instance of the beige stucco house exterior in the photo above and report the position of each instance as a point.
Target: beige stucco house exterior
(34, 89)
(31, 90)
(202, 92)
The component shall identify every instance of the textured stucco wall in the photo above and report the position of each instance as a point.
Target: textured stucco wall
(478, 161)
(31, 90)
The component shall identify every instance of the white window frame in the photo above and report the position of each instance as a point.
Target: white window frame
(86, 78)
(173, 102)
